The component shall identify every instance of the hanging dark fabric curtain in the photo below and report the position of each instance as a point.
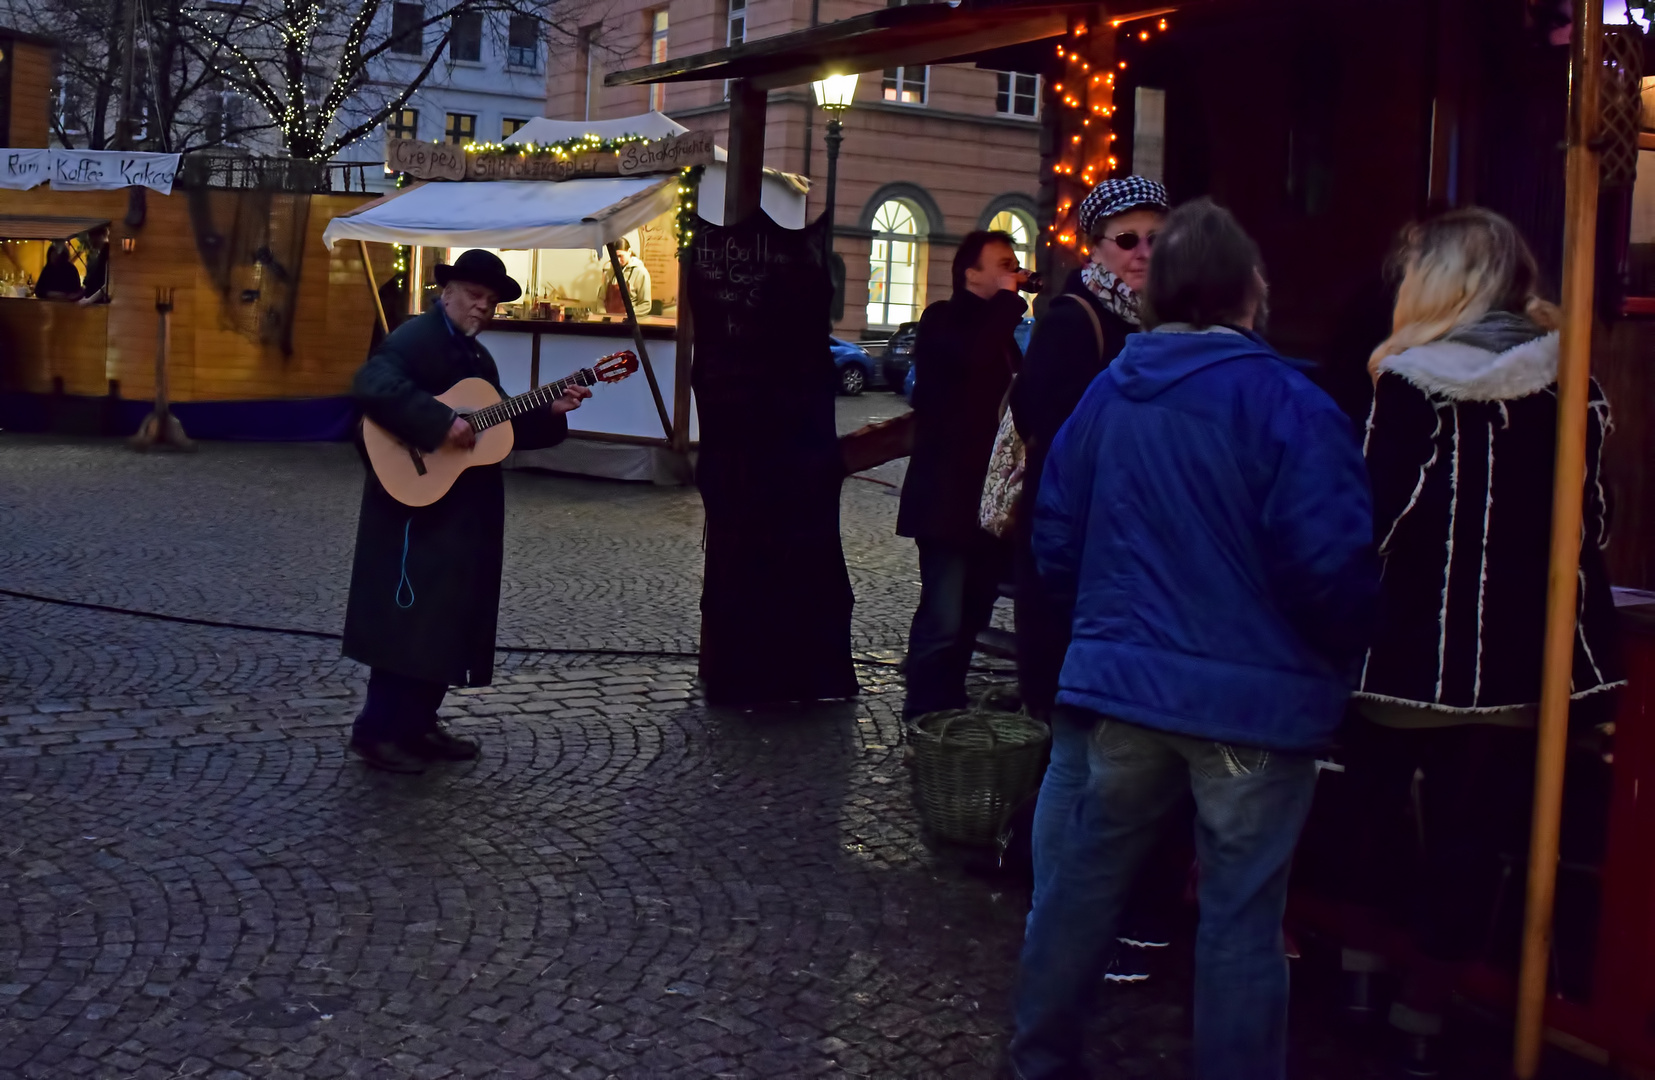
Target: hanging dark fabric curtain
(776, 598)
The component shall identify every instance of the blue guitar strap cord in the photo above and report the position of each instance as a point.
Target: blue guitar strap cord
(403, 583)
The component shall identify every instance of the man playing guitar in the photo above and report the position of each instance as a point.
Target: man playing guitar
(425, 583)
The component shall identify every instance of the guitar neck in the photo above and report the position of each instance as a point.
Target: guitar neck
(516, 406)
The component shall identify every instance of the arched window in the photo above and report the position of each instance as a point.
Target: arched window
(894, 278)
(1021, 227)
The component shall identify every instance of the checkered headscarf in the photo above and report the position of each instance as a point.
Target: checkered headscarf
(1117, 197)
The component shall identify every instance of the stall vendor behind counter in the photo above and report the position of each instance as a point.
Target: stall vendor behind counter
(636, 276)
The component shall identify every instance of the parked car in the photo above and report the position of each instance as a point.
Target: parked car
(899, 357)
(855, 366)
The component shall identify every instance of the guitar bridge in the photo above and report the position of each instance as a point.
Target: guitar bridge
(419, 460)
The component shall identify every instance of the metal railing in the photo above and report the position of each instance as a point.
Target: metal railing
(292, 175)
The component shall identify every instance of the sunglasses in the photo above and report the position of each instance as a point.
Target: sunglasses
(1126, 241)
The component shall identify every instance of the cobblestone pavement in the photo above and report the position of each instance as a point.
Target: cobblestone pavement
(196, 880)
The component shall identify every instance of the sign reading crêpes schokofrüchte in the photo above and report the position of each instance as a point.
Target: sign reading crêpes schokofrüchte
(435, 161)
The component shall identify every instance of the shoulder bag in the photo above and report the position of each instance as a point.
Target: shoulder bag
(1003, 487)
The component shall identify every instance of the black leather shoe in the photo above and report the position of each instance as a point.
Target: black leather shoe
(387, 756)
(435, 744)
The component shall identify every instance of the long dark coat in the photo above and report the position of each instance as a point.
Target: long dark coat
(425, 585)
(964, 358)
(1460, 448)
(1063, 358)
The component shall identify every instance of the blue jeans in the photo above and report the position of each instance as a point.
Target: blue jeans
(1250, 807)
(1150, 905)
(958, 586)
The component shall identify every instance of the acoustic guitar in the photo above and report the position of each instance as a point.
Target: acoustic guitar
(416, 477)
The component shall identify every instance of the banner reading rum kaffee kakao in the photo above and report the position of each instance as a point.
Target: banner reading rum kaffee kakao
(87, 170)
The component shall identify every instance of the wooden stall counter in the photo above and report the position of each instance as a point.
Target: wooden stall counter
(43, 340)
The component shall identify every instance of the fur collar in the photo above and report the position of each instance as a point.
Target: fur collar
(1460, 372)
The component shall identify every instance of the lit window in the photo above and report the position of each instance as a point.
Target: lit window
(906, 85)
(510, 126)
(402, 124)
(1020, 227)
(460, 129)
(894, 261)
(658, 55)
(1018, 94)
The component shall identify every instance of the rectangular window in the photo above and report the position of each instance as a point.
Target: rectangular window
(510, 126)
(402, 124)
(523, 42)
(71, 109)
(1018, 94)
(224, 118)
(465, 38)
(906, 85)
(460, 129)
(658, 55)
(408, 29)
(735, 31)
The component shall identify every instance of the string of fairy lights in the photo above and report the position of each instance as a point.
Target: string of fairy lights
(1086, 93)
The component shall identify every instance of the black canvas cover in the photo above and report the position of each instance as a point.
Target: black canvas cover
(776, 598)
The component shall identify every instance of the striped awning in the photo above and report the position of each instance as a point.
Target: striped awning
(24, 227)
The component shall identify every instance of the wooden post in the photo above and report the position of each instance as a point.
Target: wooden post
(160, 427)
(416, 279)
(744, 171)
(638, 340)
(1574, 371)
(683, 370)
(373, 286)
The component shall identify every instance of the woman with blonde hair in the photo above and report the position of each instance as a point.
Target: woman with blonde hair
(1460, 445)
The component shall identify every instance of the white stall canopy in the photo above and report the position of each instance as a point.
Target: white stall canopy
(543, 131)
(586, 213)
(782, 195)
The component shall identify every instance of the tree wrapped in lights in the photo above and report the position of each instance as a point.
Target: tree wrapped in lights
(327, 75)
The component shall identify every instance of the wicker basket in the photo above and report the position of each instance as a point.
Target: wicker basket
(974, 768)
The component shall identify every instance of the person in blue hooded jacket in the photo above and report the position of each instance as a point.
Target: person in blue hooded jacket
(1208, 508)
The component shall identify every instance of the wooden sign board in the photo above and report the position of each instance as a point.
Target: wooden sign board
(510, 165)
(425, 161)
(667, 155)
(434, 161)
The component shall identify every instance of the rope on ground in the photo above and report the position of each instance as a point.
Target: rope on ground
(293, 631)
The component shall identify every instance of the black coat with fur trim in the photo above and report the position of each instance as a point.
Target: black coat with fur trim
(1459, 447)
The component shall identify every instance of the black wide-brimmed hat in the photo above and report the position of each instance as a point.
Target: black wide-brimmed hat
(481, 268)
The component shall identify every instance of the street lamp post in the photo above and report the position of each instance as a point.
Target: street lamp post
(834, 95)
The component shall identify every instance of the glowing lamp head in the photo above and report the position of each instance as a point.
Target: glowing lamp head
(836, 92)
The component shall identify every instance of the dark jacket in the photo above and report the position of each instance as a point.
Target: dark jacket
(1062, 360)
(1460, 448)
(964, 358)
(1208, 508)
(425, 585)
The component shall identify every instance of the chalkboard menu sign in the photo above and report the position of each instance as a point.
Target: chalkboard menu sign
(776, 598)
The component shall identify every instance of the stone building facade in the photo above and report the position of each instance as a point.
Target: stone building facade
(929, 153)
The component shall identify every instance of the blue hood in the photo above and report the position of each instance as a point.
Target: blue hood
(1152, 363)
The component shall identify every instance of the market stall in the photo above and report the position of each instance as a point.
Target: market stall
(262, 347)
(554, 232)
